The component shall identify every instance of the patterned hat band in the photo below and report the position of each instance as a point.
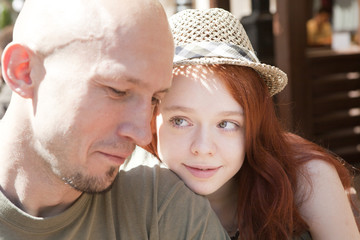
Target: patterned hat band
(213, 49)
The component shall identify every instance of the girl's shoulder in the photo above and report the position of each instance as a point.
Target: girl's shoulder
(305, 236)
(323, 202)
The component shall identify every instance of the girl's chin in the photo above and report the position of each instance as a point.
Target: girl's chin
(202, 190)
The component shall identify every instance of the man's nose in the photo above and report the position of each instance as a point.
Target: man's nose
(136, 123)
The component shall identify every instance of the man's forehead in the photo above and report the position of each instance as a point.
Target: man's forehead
(44, 25)
(115, 72)
(112, 70)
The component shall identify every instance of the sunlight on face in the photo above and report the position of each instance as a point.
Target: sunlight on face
(108, 90)
(200, 129)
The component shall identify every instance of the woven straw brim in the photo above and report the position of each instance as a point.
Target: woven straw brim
(274, 78)
(215, 36)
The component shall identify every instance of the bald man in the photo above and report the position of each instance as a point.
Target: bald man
(86, 76)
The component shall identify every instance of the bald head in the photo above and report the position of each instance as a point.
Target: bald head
(106, 38)
(47, 25)
(87, 75)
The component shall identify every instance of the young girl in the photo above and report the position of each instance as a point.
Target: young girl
(217, 129)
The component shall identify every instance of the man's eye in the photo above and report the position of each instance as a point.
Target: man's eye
(116, 93)
(155, 101)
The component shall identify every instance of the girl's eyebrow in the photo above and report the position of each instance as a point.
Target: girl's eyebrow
(178, 108)
(232, 113)
(191, 110)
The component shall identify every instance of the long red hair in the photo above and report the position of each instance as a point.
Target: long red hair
(267, 208)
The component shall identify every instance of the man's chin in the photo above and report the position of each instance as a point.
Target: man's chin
(95, 191)
(91, 184)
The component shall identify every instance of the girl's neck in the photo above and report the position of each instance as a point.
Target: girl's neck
(224, 203)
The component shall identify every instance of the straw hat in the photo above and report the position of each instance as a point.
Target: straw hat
(215, 36)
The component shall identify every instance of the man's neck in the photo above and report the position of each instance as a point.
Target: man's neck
(30, 187)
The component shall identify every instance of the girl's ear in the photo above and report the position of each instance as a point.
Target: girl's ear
(16, 69)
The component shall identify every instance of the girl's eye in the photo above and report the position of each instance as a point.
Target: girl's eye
(228, 125)
(179, 122)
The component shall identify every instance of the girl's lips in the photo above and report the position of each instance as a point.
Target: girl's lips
(200, 172)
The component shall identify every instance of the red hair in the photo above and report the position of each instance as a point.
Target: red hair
(274, 159)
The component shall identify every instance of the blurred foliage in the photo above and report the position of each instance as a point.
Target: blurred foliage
(7, 13)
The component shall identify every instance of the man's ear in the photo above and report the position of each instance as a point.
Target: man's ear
(16, 69)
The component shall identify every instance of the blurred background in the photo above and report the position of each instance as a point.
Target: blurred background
(316, 42)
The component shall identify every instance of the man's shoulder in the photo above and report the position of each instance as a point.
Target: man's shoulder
(170, 207)
(146, 164)
(146, 174)
(140, 157)
(153, 176)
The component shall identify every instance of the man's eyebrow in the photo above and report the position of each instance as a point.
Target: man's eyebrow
(131, 80)
(162, 91)
(138, 82)
(118, 78)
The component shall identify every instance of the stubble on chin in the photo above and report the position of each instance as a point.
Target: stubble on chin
(92, 184)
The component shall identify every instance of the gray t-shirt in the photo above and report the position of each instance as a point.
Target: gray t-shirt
(144, 203)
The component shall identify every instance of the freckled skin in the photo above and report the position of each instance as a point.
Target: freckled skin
(200, 130)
